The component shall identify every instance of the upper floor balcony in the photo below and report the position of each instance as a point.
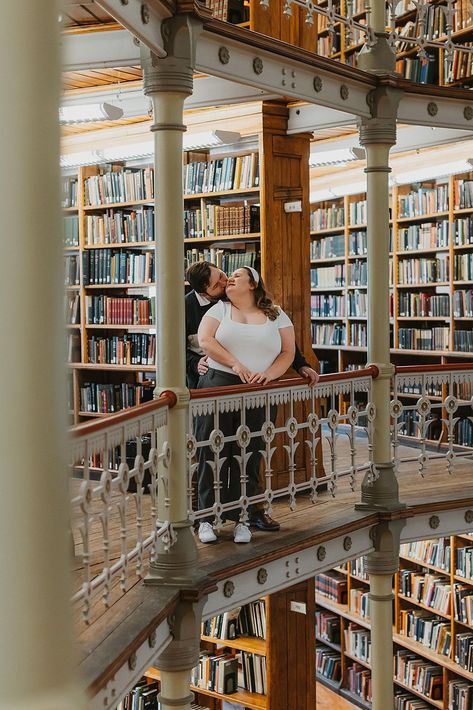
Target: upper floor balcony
(303, 454)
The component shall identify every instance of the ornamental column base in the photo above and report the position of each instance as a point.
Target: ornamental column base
(380, 489)
(175, 565)
(378, 59)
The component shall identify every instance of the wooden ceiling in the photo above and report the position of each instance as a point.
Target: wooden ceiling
(76, 14)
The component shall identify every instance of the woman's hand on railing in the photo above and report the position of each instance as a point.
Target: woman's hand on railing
(262, 378)
(309, 374)
(243, 372)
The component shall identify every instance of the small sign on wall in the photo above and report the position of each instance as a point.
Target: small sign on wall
(294, 206)
(299, 607)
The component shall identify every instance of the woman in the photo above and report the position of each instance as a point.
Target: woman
(247, 339)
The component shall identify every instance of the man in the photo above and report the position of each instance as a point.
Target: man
(208, 284)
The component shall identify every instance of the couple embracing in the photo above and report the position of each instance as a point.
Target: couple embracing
(242, 337)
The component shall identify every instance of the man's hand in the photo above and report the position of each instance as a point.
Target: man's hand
(203, 365)
(309, 374)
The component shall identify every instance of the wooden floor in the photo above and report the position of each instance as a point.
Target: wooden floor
(308, 521)
(326, 699)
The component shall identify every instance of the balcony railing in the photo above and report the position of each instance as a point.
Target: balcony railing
(250, 445)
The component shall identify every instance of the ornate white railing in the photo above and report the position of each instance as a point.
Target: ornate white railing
(434, 404)
(407, 24)
(238, 433)
(112, 528)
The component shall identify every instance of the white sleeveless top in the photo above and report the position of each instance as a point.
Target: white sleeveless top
(255, 346)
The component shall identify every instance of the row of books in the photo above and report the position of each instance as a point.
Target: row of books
(120, 310)
(332, 585)
(464, 562)
(226, 260)
(428, 630)
(327, 626)
(327, 305)
(120, 227)
(113, 185)
(328, 247)
(423, 305)
(105, 266)
(69, 192)
(71, 230)
(359, 602)
(328, 663)
(460, 695)
(328, 276)
(459, 66)
(464, 650)
(144, 696)
(463, 193)
(423, 70)
(327, 218)
(430, 390)
(358, 642)
(328, 45)
(463, 341)
(463, 603)
(428, 235)
(130, 349)
(358, 333)
(424, 338)
(217, 673)
(435, 552)
(73, 347)
(427, 588)
(464, 432)
(420, 675)
(221, 220)
(248, 620)
(328, 334)
(463, 267)
(410, 426)
(359, 682)
(358, 567)
(425, 200)
(463, 231)
(358, 273)
(71, 270)
(406, 701)
(72, 308)
(108, 398)
(254, 676)
(222, 174)
(357, 303)
(357, 243)
(424, 270)
(358, 212)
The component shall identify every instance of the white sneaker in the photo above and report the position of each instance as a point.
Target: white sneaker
(206, 533)
(241, 533)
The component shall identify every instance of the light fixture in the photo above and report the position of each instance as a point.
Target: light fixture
(145, 149)
(432, 171)
(89, 113)
(339, 156)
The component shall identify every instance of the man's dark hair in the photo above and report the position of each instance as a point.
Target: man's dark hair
(198, 276)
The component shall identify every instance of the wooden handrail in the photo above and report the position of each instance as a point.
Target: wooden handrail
(406, 369)
(371, 371)
(167, 398)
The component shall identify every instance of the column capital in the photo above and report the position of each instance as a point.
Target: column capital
(378, 58)
(386, 540)
(380, 127)
(173, 73)
(182, 654)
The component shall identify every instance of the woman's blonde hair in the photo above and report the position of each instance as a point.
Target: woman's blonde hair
(262, 298)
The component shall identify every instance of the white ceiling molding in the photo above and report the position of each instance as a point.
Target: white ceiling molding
(313, 118)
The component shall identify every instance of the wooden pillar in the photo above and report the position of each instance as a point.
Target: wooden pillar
(285, 261)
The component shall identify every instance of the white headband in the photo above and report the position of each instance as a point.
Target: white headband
(254, 274)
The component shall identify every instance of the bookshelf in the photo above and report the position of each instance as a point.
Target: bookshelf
(432, 626)
(109, 266)
(431, 276)
(266, 629)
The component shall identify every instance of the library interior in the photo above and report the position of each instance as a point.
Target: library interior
(292, 179)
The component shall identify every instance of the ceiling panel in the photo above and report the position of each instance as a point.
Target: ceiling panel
(78, 14)
(100, 77)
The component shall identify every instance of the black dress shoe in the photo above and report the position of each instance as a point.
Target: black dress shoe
(262, 521)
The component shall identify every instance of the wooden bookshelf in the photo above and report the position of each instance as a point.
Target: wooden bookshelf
(289, 648)
(109, 261)
(418, 564)
(431, 267)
